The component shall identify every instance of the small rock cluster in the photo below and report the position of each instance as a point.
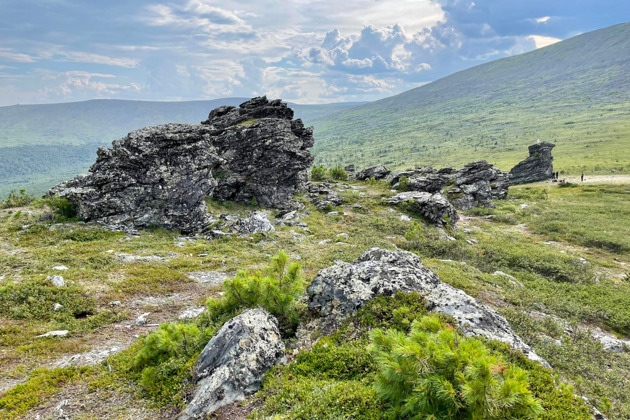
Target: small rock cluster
(162, 175)
(434, 208)
(323, 196)
(537, 167)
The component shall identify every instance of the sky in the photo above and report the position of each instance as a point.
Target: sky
(301, 51)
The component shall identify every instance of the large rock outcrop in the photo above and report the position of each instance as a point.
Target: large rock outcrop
(476, 184)
(341, 289)
(234, 362)
(537, 167)
(161, 175)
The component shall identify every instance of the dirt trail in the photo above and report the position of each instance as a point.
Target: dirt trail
(600, 179)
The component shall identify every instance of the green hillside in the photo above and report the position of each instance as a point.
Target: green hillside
(42, 145)
(575, 93)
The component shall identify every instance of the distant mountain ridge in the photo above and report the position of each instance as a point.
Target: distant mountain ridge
(575, 93)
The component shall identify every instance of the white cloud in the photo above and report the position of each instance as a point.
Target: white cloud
(543, 41)
(543, 19)
(9, 55)
(84, 57)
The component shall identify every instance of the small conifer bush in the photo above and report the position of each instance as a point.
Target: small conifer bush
(276, 289)
(433, 372)
(318, 173)
(338, 173)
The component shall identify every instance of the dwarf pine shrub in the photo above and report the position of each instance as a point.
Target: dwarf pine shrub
(433, 372)
(318, 173)
(276, 289)
(338, 173)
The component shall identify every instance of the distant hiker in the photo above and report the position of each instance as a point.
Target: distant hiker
(582, 177)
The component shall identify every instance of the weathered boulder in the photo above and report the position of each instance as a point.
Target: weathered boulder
(537, 167)
(255, 222)
(161, 175)
(350, 170)
(234, 361)
(394, 177)
(341, 289)
(376, 172)
(430, 183)
(434, 208)
(477, 184)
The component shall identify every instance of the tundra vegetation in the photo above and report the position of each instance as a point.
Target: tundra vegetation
(554, 261)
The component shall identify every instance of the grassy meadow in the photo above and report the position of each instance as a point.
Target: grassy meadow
(561, 252)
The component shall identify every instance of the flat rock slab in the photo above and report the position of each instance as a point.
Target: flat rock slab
(210, 278)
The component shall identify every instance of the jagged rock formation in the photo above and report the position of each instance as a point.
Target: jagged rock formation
(161, 175)
(376, 172)
(341, 289)
(434, 208)
(537, 167)
(476, 184)
(234, 361)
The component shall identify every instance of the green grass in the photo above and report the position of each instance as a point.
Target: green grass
(547, 280)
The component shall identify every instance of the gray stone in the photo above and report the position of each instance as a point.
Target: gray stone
(255, 222)
(57, 333)
(57, 307)
(537, 167)
(233, 363)
(434, 208)
(476, 319)
(60, 267)
(210, 278)
(376, 172)
(162, 175)
(142, 319)
(57, 281)
(341, 289)
(191, 313)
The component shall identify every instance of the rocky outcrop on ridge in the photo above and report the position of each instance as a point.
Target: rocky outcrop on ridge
(476, 184)
(341, 289)
(434, 208)
(537, 167)
(234, 361)
(161, 175)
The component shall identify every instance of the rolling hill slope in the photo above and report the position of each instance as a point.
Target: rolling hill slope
(41, 145)
(575, 93)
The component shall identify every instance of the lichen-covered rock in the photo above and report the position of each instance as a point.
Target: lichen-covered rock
(341, 289)
(234, 361)
(431, 183)
(476, 319)
(477, 184)
(434, 208)
(376, 172)
(255, 222)
(537, 167)
(161, 175)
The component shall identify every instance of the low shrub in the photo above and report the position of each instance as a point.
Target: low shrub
(16, 199)
(318, 173)
(63, 209)
(276, 289)
(36, 299)
(338, 173)
(435, 371)
(403, 184)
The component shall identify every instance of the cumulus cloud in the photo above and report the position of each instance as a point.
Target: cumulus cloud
(543, 41)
